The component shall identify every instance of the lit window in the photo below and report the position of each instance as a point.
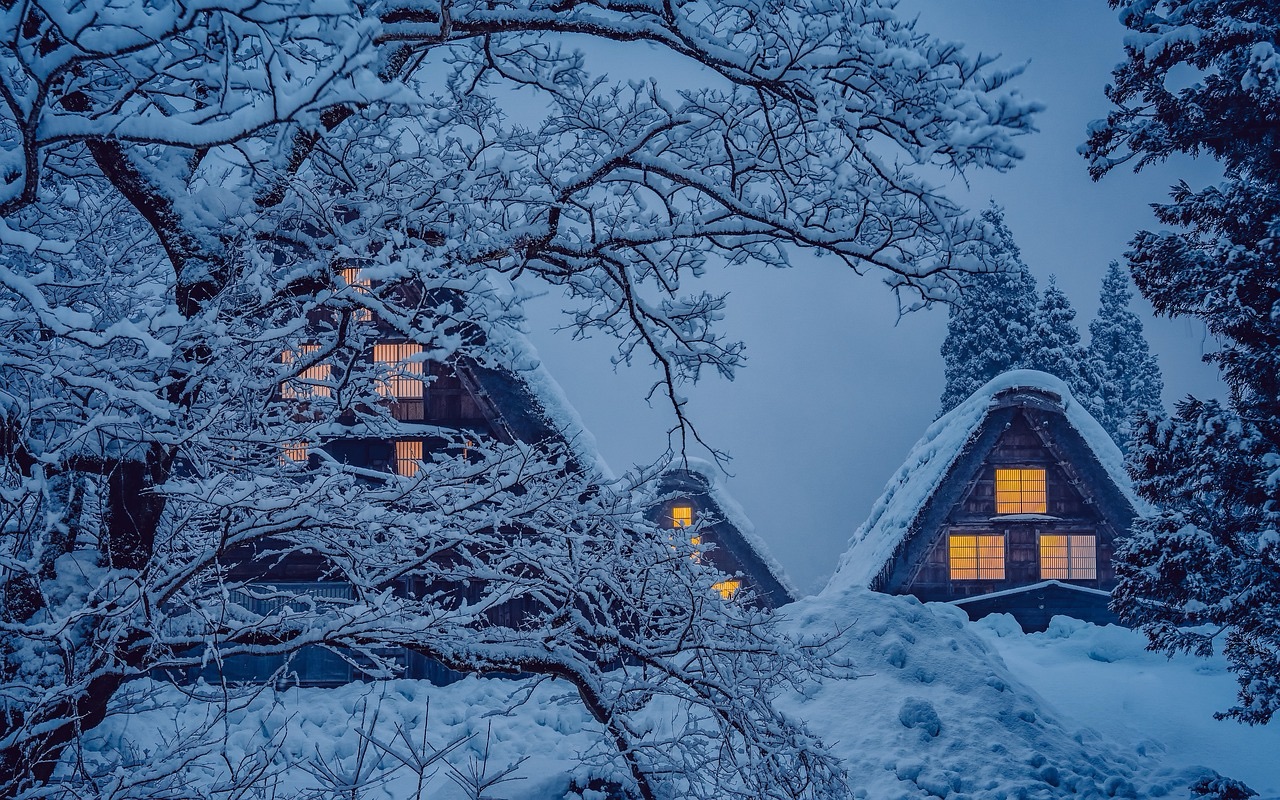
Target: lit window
(362, 285)
(405, 381)
(408, 454)
(1069, 556)
(727, 588)
(1020, 491)
(681, 516)
(977, 557)
(309, 381)
(296, 451)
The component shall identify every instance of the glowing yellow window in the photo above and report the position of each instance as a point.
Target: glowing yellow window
(977, 557)
(361, 285)
(306, 384)
(405, 381)
(1068, 556)
(296, 451)
(681, 516)
(1020, 491)
(727, 588)
(408, 454)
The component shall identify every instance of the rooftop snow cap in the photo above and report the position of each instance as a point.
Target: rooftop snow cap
(896, 514)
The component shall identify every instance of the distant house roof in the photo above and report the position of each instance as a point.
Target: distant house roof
(733, 533)
(895, 515)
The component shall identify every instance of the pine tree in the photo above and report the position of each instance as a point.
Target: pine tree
(989, 326)
(1124, 375)
(1202, 572)
(1054, 343)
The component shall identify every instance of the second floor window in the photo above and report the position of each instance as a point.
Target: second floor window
(1020, 490)
(310, 381)
(405, 381)
(681, 516)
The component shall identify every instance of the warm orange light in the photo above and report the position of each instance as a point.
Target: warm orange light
(361, 284)
(1020, 491)
(296, 451)
(1068, 556)
(405, 381)
(727, 588)
(977, 557)
(408, 454)
(305, 385)
(681, 516)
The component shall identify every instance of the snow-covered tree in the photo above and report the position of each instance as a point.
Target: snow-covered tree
(1123, 375)
(1053, 345)
(186, 190)
(989, 325)
(1204, 571)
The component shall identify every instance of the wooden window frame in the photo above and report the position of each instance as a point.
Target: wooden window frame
(407, 380)
(303, 385)
(977, 556)
(682, 515)
(408, 457)
(1075, 557)
(1021, 490)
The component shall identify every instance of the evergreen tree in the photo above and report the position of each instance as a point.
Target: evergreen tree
(988, 327)
(1203, 571)
(1054, 342)
(1124, 375)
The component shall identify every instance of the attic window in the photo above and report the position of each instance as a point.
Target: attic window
(977, 557)
(1068, 556)
(681, 516)
(305, 385)
(727, 588)
(408, 454)
(1020, 491)
(405, 381)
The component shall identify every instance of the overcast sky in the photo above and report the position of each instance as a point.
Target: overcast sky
(837, 387)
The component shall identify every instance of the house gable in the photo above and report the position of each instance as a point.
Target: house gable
(944, 531)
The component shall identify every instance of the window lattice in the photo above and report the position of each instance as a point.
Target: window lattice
(1020, 491)
(361, 285)
(1068, 556)
(977, 557)
(405, 381)
(408, 454)
(309, 382)
(296, 451)
(681, 516)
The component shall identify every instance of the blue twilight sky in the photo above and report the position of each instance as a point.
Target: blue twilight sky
(837, 387)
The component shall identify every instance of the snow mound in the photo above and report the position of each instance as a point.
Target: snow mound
(933, 711)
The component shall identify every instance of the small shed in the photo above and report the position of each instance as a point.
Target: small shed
(1011, 503)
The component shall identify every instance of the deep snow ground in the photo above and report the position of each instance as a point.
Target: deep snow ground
(940, 707)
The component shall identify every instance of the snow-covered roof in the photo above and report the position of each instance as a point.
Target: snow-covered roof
(733, 514)
(522, 372)
(904, 497)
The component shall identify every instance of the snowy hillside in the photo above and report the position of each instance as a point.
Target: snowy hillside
(936, 707)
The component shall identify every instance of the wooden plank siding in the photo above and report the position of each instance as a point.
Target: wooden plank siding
(1025, 429)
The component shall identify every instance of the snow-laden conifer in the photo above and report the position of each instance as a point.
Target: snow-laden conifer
(1123, 374)
(1204, 573)
(989, 325)
(1054, 344)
